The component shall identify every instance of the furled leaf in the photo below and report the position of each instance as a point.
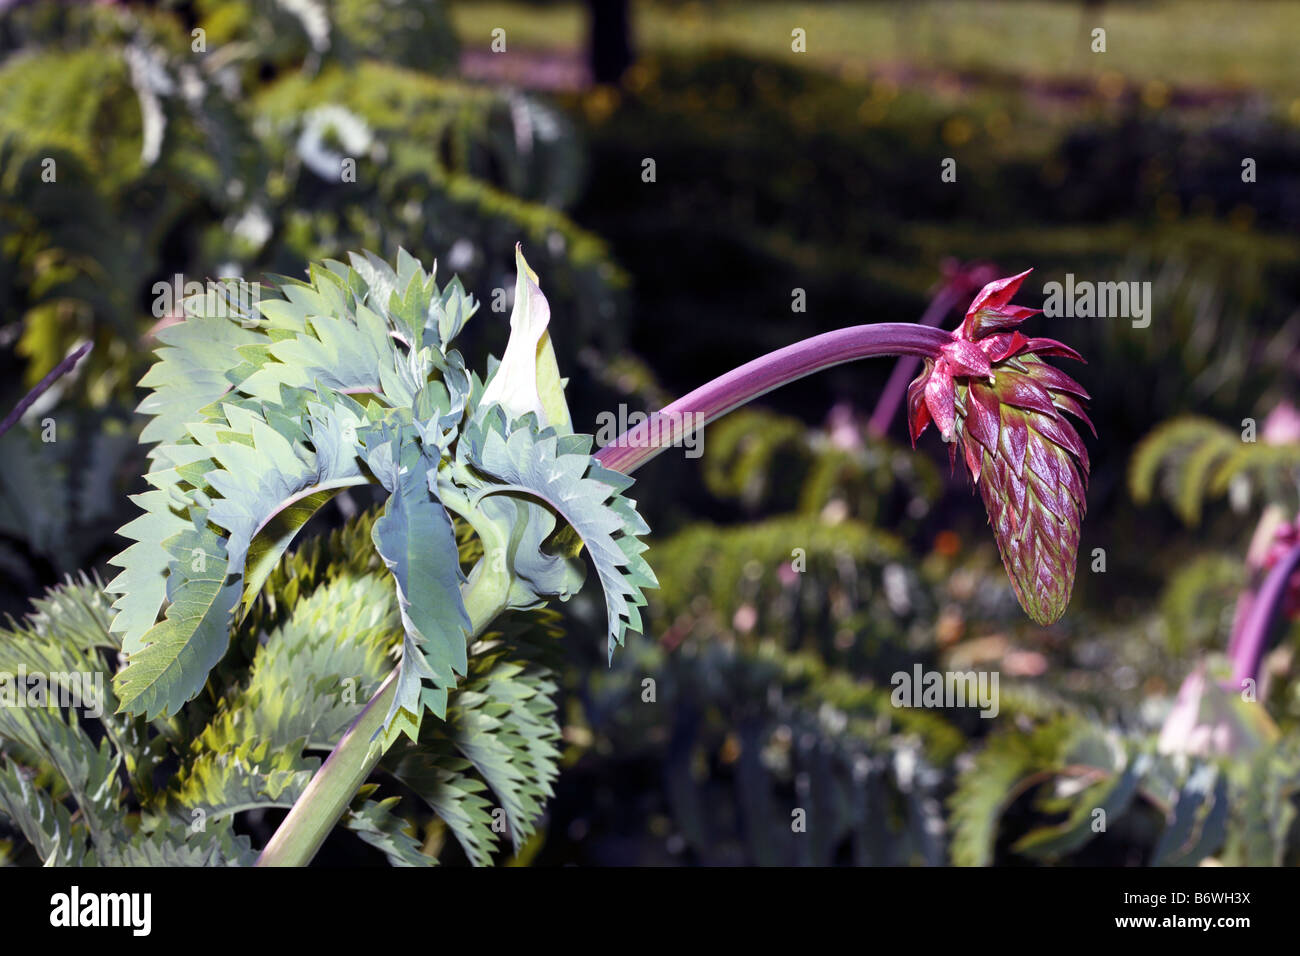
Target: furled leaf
(415, 538)
(558, 471)
(274, 538)
(528, 379)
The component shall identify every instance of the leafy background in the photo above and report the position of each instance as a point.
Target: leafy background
(775, 171)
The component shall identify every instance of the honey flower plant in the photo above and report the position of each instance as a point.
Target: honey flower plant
(351, 379)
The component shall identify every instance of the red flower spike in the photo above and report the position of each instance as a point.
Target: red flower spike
(966, 358)
(940, 396)
(918, 416)
(991, 311)
(1002, 345)
(997, 294)
(1007, 409)
(1053, 347)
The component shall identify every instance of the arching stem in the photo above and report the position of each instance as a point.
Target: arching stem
(711, 401)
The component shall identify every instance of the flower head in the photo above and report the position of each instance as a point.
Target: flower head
(514, 385)
(990, 394)
(528, 376)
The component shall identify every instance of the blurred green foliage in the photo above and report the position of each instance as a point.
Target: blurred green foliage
(221, 153)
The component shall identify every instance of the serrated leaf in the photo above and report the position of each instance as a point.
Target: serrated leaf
(214, 846)
(376, 824)
(441, 782)
(45, 824)
(142, 584)
(246, 777)
(1262, 811)
(178, 652)
(191, 372)
(501, 721)
(314, 673)
(977, 804)
(271, 486)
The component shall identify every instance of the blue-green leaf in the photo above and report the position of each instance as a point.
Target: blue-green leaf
(417, 542)
(178, 652)
(559, 471)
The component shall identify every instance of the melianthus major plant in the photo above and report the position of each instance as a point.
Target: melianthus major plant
(258, 420)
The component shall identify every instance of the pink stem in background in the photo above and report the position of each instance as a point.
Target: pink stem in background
(1249, 645)
(1256, 554)
(905, 368)
(709, 402)
(1281, 427)
(959, 280)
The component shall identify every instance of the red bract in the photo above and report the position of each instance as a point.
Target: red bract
(990, 393)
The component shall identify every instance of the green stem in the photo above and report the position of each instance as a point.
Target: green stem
(334, 786)
(321, 805)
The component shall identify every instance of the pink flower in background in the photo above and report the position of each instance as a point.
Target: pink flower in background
(1282, 425)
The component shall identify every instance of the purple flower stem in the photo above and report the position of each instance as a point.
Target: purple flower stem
(711, 401)
(63, 368)
(1251, 643)
(1255, 554)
